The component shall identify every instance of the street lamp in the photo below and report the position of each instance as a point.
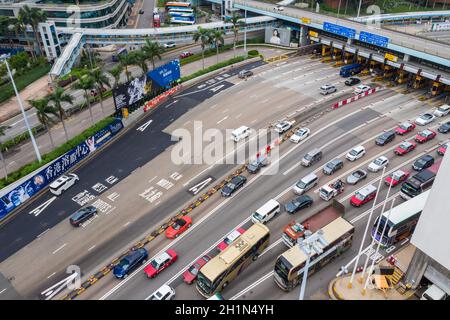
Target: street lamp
(312, 243)
(33, 141)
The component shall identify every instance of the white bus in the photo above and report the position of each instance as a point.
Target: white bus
(402, 220)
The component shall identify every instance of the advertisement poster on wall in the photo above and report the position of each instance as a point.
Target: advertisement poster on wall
(164, 75)
(131, 93)
(51, 172)
(278, 36)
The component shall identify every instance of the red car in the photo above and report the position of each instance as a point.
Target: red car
(442, 148)
(160, 263)
(191, 273)
(404, 128)
(425, 135)
(396, 177)
(178, 227)
(363, 196)
(404, 148)
(230, 238)
(186, 54)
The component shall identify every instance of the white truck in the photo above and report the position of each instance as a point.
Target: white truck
(330, 191)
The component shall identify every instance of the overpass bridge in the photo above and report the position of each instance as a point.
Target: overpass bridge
(76, 38)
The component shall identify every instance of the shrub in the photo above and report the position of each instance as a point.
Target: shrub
(253, 53)
(212, 68)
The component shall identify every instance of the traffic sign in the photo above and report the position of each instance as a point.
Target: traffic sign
(314, 34)
(306, 20)
(391, 57)
(373, 39)
(339, 30)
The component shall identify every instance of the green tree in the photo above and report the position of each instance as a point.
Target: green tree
(19, 61)
(152, 50)
(140, 59)
(204, 36)
(100, 81)
(32, 17)
(127, 60)
(44, 114)
(115, 72)
(234, 20)
(57, 97)
(86, 83)
(217, 39)
(20, 28)
(2, 133)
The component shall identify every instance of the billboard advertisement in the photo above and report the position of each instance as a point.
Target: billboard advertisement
(130, 93)
(440, 26)
(278, 36)
(51, 172)
(164, 75)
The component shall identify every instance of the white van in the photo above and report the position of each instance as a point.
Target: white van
(327, 89)
(305, 184)
(240, 133)
(266, 212)
(63, 183)
(433, 293)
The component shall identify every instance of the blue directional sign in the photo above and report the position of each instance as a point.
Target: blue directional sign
(337, 29)
(373, 39)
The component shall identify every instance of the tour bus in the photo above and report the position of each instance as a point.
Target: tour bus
(288, 272)
(402, 220)
(176, 5)
(181, 10)
(218, 272)
(183, 20)
(421, 181)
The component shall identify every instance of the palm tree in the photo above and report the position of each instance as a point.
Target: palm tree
(217, 39)
(21, 28)
(57, 97)
(140, 58)
(234, 19)
(116, 71)
(2, 133)
(32, 17)
(100, 81)
(44, 114)
(86, 83)
(204, 36)
(152, 50)
(127, 60)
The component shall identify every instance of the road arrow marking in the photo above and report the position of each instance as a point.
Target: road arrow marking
(37, 211)
(144, 126)
(199, 186)
(215, 89)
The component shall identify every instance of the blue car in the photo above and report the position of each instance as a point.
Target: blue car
(130, 262)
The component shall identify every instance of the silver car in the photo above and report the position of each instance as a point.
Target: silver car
(356, 176)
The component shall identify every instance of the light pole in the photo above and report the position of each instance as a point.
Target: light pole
(245, 31)
(33, 141)
(359, 8)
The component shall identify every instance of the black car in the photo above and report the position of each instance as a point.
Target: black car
(304, 201)
(333, 166)
(385, 138)
(352, 81)
(423, 162)
(256, 165)
(141, 11)
(444, 128)
(82, 215)
(235, 183)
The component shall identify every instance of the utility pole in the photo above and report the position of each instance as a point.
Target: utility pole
(359, 8)
(245, 30)
(19, 99)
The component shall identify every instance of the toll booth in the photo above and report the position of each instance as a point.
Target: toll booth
(326, 51)
(419, 81)
(375, 67)
(437, 87)
(388, 72)
(337, 54)
(348, 57)
(402, 75)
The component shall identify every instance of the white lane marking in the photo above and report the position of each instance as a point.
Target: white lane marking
(404, 241)
(171, 104)
(197, 175)
(42, 233)
(126, 223)
(38, 210)
(91, 247)
(256, 283)
(150, 181)
(2, 291)
(353, 260)
(223, 119)
(144, 126)
(65, 244)
(51, 275)
(238, 116)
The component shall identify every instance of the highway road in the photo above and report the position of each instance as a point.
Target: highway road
(128, 212)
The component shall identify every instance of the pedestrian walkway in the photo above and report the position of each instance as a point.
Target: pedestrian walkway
(24, 154)
(378, 288)
(35, 90)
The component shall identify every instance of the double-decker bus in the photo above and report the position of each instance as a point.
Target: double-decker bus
(419, 182)
(177, 5)
(289, 267)
(217, 273)
(402, 220)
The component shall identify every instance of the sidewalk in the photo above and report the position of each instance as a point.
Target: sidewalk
(35, 90)
(24, 154)
(339, 288)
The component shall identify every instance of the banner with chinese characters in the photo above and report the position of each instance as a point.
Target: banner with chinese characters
(51, 172)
